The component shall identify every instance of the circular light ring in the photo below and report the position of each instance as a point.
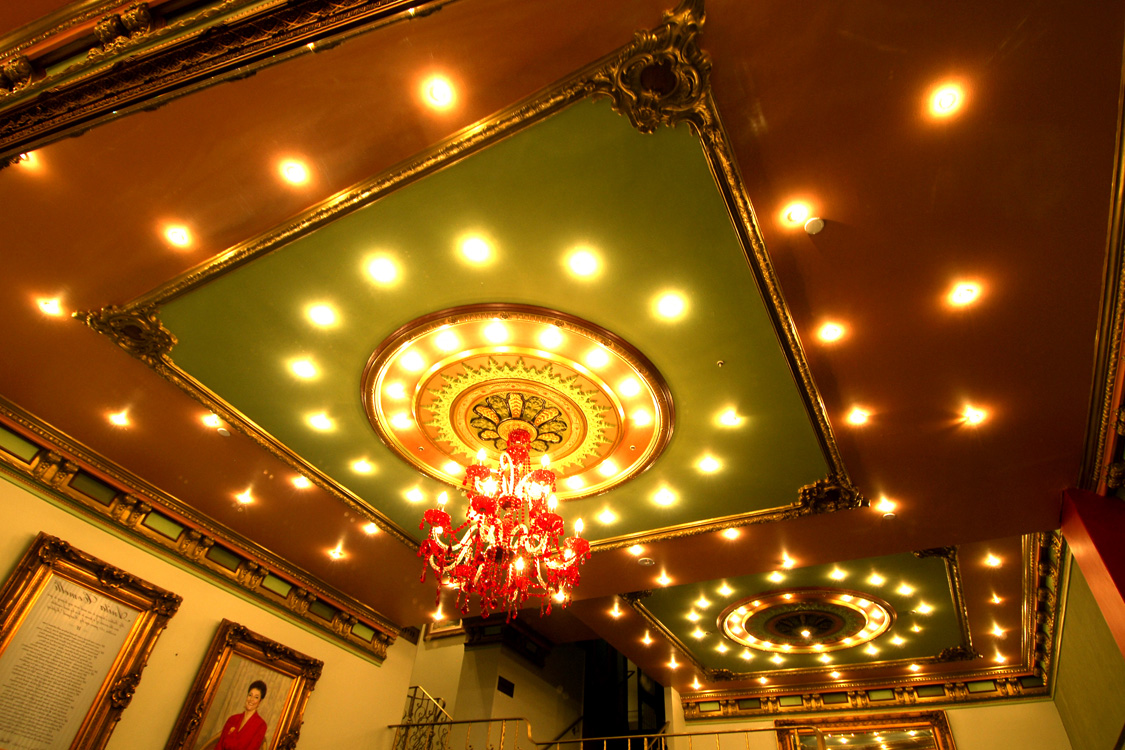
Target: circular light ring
(835, 618)
(464, 400)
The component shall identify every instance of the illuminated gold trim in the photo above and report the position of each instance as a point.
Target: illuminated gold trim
(51, 473)
(788, 733)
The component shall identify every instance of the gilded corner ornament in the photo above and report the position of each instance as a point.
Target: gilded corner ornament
(662, 78)
(137, 330)
(828, 496)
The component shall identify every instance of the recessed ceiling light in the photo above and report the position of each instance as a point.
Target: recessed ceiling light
(725, 590)
(796, 214)
(607, 468)
(370, 528)
(550, 337)
(946, 100)
(775, 577)
(647, 640)
(211, 420)
(871, 649)
(964, 293)
(830, 332)
(729, 418)
(885, 505)
(629, 387)
(29, 160)
(997, 631)
(641, 418)
(636, 550)
(415, 495)
(301, 483)
(50, 306)
(496, 332)
(597, 358)
(995, 599)
(177, 236)
(993, 561)
(858, 416)
(575, 483)
(787, 561)
(382, 270)
(702, 602)
(395, 390)
(607, 516)
(915, 628)
(303, 368)
(363, 466)
(664, 580)
(837, 574)
(401, 421)
(437, 92)
(476, 249)
(451, 467)
(583, 262)
(999, 658)
(971, 415)
(321, 421)
(898, 641)
(777, 659)
(876, 580)
(905, 590)
(664, 496)
(322, 315)
(294, 172)
(671, 305)
(337, 552)
(709, 464)
(447, 341)
(731, 533)
(834, 675)
(924, 609)
(119, 418)
(412, 361)
(244, 497)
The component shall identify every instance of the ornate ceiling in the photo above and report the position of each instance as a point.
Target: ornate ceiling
(271, 287)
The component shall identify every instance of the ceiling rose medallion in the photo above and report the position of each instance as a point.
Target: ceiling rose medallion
(447, 385)
(806, 620)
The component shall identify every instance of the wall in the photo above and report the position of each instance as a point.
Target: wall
(1034, 725)
(351, 706)
(1090, 677)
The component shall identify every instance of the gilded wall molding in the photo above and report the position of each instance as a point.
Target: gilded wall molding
(133, 61)
(170, 527)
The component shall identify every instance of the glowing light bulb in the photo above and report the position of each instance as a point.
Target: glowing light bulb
(858, 416)
(476, 249)
(244, 497)
(583, 263)
(775, 577)
(437, 92)
(641, 418)
(304, 369)
(964, 293)
(830, 332)
(946, 99)
(664, 580)
(412, 361)
(729, 418)
(211, 420)
(905, 590)
(578, 526)
(664, 496)
(294, 172)
(636, 550)
(924, 609)
(837, 574)
(415, 495)
(321, 422)
(607, 516)
(337, 552)
(322, 315)
(796, 214)
(876, 580)
(442, 499)
(50, 306)
(725, 590)
(993, 561)
(647, 640)
(396, 391)
(119, 418)
(301, 483)
(971, 415)
(597, 358)
(177, 236)
(671, 306)
(550, 337)
(709, 464)
(401, 421)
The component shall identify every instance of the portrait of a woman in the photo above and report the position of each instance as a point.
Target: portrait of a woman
(245, 730)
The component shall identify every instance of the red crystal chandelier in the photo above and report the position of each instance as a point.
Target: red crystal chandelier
(511, 546)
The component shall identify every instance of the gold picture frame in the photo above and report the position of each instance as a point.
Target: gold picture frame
(75, 634)
(447, 627)
(909, 728)
(239, 662)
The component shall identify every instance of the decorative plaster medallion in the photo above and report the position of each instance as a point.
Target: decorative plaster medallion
(806, 620)
(450, 384)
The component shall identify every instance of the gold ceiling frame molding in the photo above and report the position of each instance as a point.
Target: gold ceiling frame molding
(1043, 558)
(130, 63)
(126, 504)
(789, 731)
(660, 79)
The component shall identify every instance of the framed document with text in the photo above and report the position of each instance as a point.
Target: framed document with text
(250, 693)
(75, 633)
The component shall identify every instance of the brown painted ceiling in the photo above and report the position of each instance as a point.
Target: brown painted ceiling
(826, 103)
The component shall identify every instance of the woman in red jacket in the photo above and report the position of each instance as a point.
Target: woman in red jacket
(247, 730)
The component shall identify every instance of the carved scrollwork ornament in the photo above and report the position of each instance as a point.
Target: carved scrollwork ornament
(947, 553)
(633, 597)
(137, 330)
(289, 741)
(16, 73)
(661, 79)
(828, 496)
(956, 653)
(121, 694)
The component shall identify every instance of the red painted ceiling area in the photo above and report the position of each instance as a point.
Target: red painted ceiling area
(823, 102)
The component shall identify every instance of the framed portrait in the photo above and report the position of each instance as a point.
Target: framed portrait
(75, 634)
(250, 694)
(918, 730)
